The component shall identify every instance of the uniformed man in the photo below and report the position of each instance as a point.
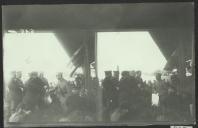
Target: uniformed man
(116, 81)
(63, 90)
(132, 73)
(139, 78)
(34, 91)
(162, 91)
(15, 90)
(109, 94)
(116, 75)
(19, 80)
(79, 81)
(125, 87)
(42, 77)
(172, 104)
(62, 84)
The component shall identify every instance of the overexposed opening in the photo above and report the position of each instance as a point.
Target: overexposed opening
(29, 52)
(128, 51)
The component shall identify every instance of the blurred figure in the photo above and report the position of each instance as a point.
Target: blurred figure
(120, 113)
(125, 87)
(79, 81)
(19, 75)
(116, 81)
(139, 78)
(128, 95)
(162, 91)
(34, 92)
(94, 86)
(174, 80)
(109, 94)
(79, 101)
(133, 79)
(62, 85)
(15, 90)
(116, 75)
(19, 79)
(107, 82)
(132, 74)
(42, 77)
(150, 84)
(19, 116)
(63, 91)
(187, 95)
(189, 68)
(172, 104)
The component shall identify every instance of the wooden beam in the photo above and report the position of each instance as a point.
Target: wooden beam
(181, 66)
(71, 74)
(75, 54)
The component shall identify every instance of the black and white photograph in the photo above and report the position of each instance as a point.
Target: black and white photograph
(98, 64)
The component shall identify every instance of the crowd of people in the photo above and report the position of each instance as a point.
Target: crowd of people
(36, 101)
(132, 99)
(124, 98)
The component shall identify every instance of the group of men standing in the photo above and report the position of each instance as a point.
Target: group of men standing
(124, 93)
(131, 98)
(26, 95)
(124, 99)
(31, 95)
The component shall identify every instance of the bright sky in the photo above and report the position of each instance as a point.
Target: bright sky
(28, 52)
(129, 51)
(42, 52)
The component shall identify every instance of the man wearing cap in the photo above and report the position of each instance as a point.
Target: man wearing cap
(42, 77)
(116, 75)
(63, 90)
(108, 94)
(62, 85)
(129, 93)
(15, 89)
(125, 87)
(139, 78)
(79, 81)
(116, 85)
(34, 91)
(162, 91)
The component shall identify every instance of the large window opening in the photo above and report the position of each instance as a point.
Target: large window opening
(129, 51)
(27, 52)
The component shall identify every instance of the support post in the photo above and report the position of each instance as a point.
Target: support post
(99, 89)
(181, 66)
(86, 62)
(193, 78)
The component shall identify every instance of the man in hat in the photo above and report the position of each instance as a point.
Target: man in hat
(139, 78)
(116, 75)
(132, 73)
(133, 79)
(129, 93)
(63, 90)
(16, 90)
(109, 91)
(125, 87)
(19, 80)
(116, 78)
(116, 86)
(79, 81)
(161, 89)
(42, 77)
(62, 84)
(160, 84)
(106, 83)
(34, 91)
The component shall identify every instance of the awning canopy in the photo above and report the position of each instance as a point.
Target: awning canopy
(73, 24)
